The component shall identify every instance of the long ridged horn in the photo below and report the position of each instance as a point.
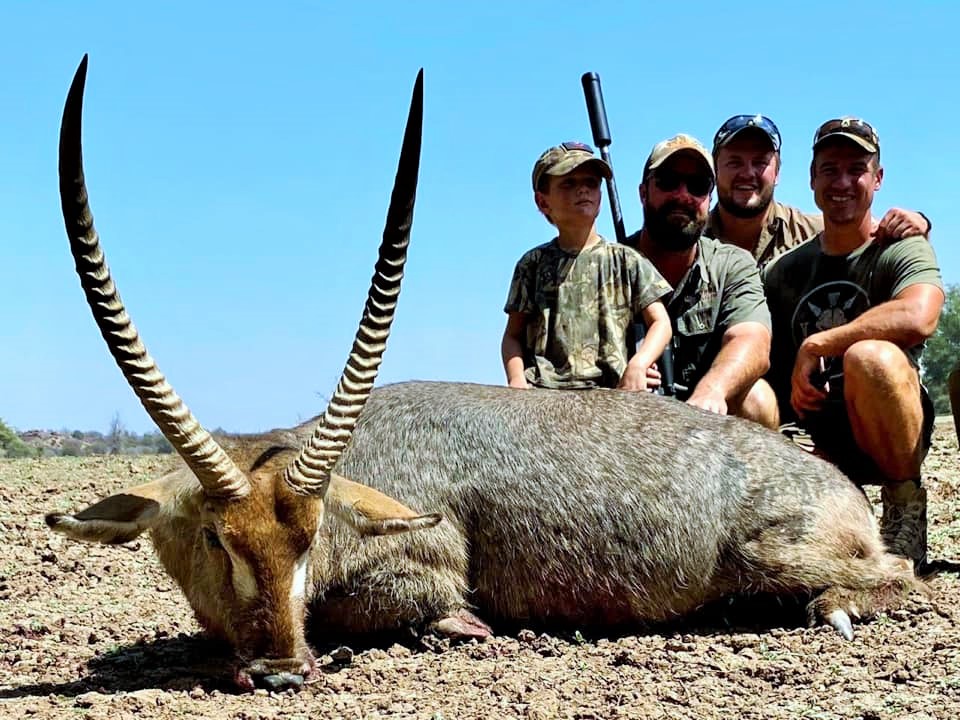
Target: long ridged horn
(309, 474)
(217, 473)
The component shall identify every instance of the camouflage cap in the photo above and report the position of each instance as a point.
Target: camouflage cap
(850, 128)
(566, 157)
(678, 143)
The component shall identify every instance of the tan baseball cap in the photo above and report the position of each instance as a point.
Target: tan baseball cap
(678, 143)
(567, 157)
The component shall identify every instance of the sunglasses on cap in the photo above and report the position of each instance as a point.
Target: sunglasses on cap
(850, 126)
(568, 146)
(742, 122)
(697, 185)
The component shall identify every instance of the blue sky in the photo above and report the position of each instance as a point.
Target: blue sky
(239, 165)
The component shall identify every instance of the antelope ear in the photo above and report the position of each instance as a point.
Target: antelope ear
(118, 518)
(370, 512)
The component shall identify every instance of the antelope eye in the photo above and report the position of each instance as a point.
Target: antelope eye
(211, 538)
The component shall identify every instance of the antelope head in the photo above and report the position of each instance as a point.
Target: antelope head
(237, 526)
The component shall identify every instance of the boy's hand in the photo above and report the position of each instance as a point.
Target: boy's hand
(653, 377)
(634, 379)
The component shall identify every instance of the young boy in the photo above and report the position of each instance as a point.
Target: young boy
(574, 301)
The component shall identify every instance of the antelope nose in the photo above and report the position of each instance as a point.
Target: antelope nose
(279, 681)
(277, 675)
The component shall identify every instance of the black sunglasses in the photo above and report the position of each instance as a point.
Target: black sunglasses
(849, 125)
(741, 122)
(697, 185)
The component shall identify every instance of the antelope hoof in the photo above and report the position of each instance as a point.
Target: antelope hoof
(462, 625)
(840, 622)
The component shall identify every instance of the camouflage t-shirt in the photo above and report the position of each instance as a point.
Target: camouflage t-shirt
(809, 291)
(581, 308)
(785, 228)
(721, 289)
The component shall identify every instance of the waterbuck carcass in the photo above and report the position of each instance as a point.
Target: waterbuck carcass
(571, 508)
(237, 531)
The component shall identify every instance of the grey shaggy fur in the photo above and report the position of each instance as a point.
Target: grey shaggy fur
(593, 507)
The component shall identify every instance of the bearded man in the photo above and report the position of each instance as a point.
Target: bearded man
(721, 323)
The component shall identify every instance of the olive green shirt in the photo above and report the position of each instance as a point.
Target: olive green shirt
(721, 289)
(581, 308)
(809, 291)
(784, 228)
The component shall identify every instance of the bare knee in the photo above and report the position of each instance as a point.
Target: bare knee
(882, 393)
(759, 404)
(874, 360)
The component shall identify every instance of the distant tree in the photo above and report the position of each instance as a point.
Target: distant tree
(11, 445)
(117, 437)
(942, 352)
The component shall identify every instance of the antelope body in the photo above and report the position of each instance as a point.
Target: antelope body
(572, 508)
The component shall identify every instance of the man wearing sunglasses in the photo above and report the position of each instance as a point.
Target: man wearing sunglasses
(746, 153)
(850, 317)
(721, 325)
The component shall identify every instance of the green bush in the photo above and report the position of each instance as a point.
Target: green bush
(942, 352)
(11, 445)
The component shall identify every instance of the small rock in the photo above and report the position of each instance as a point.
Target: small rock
(87, 700)
(342, 654)
(399, 651)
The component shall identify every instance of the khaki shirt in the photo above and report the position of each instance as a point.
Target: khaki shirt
(785, 228)
(721, 289)
(581, 309)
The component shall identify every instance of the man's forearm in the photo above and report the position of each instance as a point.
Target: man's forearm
(900, 321)
(739, 364)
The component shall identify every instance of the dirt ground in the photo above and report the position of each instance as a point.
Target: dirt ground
(101, 632)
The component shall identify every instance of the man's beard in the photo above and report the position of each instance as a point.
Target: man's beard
(669, 234)
(740, 211)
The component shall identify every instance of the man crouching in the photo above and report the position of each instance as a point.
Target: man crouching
(850, 317)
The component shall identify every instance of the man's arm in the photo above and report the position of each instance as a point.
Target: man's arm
(743, 359)
(744, 354)
(511, 349)
(906, 320)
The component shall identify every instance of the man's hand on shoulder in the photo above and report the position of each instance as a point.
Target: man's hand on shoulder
(899, 223)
